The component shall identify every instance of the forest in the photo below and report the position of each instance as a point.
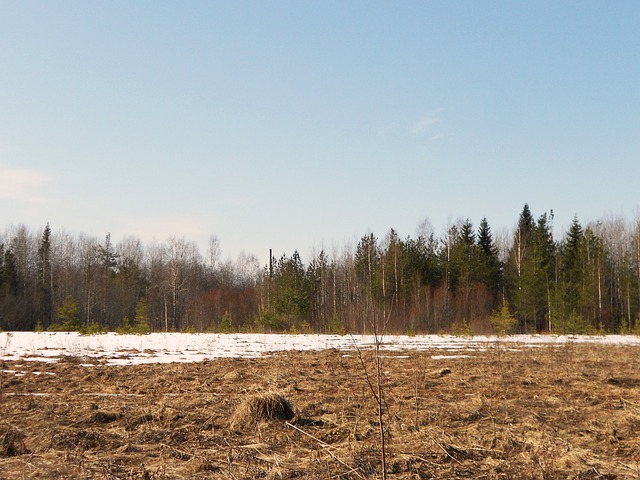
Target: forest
(465, 281)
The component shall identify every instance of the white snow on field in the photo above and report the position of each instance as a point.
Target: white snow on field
(114, 349)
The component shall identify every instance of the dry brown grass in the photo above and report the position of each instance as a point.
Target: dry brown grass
(11, 442)
(262, 407)
(542, 413)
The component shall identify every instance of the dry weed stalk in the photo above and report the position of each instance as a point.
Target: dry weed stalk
(377, 388)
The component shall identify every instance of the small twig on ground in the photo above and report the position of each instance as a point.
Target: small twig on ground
(442, 447)
(326, 447)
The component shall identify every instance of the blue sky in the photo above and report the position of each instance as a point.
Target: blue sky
(307, 124)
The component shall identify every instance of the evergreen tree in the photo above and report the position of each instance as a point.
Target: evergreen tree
(141, 318)
(572, 266)
(45, 280)
(448, 258)
(225, 325)
(367, 265)
(392, 274)
(69, 316)
(367, 260)
(490, 265)
(543, 282)
(591, 302)
(467, 235)
(520, 270)
(9, 275)
(12, 302)
(291, 296)
(318, 281)
(107, 256)
(463, 257)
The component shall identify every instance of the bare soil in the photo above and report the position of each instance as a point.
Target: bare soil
(538, 413)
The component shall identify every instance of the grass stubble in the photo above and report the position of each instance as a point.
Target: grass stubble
(549, 412)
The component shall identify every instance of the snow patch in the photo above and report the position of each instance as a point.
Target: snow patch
(114, 349)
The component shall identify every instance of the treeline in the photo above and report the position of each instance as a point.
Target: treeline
(587, 281)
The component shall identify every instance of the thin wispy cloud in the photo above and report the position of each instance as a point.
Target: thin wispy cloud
(21, 184)
(426, 122)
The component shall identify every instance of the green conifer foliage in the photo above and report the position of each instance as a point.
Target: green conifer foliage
(141, 319)
(521, 272)
(490, 266)
(225, 325)
(45, 280)
(68, 316)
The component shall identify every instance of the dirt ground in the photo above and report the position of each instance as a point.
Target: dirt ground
(539, 413)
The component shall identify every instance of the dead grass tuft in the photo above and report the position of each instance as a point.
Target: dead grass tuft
(266, 406)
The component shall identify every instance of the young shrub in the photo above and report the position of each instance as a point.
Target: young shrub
(92, 329)
(225, 325)
(69, 316)
(270, 321)
(461, 329)
(305, 327)
(335, 326)
(502, 321)
(125, 327)
(636, 326)
(574, 324)
(141, 320)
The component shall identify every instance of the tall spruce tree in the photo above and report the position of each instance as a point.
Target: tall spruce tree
(45, 279)
(544, 250)
(520, 271)
(464, 258)
(572, 268)
(490, 265)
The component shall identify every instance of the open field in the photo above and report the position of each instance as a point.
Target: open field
(569, 410)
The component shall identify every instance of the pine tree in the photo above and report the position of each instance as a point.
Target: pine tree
(69, 316)
(225, 325)
(141, 319)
